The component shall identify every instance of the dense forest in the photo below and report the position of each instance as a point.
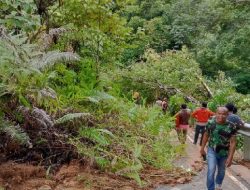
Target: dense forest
(69, 69)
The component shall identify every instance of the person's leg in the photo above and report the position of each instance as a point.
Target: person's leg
(211, 167)
(184, 135)
(221, 171)
(182, 138)
(202, 131)
(179, 134)
(196, 135)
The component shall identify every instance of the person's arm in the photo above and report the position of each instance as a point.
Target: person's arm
(177, 120)
(204, 142)
(211, 113)
(164, 105)
(240, 124)
(231, 151)
(193, 115)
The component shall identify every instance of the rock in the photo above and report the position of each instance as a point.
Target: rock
(127, 188)
(45, 187)
(61, 187)
(182, 180)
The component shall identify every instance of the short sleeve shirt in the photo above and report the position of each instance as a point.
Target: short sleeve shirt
(219, 136)
(235, 119)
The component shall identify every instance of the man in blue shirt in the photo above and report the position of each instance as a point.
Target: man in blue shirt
(232, 117)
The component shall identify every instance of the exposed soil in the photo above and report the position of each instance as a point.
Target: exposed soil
(77, 176)
(55, 165)
(245, 163)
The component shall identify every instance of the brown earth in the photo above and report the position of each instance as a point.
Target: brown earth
(245, 163)
(76, 176)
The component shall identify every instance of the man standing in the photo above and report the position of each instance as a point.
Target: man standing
(182, 123)
(164, 105)
(158, 101)
(201, 115)
(232, 117)
(136, 97)
(221, 137)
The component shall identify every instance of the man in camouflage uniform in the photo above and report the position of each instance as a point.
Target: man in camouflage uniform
(221, 137)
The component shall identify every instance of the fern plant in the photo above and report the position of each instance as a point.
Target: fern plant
(100, 136)
(71, 116)
(22, 66)
(48, 59)
(17, 51)
(15, 132)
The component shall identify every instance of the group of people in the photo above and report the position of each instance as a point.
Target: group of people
(201, 115)
(218, 136)
(218, 132)
(163, 104)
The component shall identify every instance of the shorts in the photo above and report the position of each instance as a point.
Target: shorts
(183, 127)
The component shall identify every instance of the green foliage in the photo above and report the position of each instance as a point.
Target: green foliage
(149, 9)
(95, 28)
(96, 135)
(243, 81)
(216, 32)
(175, 104)
(98, 96)
(168, 73)
(123, 47)
(159, 38)
(19, 15)
(136, 22)
(70, 117)
(130, 137)
(240, 142)
(220, 99)
(21, 64)
(244, 104)
(219, 38)
(77, 84)
(102, 163)
(138, 44)
(14, 132)
(149, 127)
(223, 92)
(50, 58)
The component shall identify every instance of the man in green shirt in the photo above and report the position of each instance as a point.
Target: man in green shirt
(221, 137)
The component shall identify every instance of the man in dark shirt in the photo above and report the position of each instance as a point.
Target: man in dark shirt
(232, 117)
(182, 123)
